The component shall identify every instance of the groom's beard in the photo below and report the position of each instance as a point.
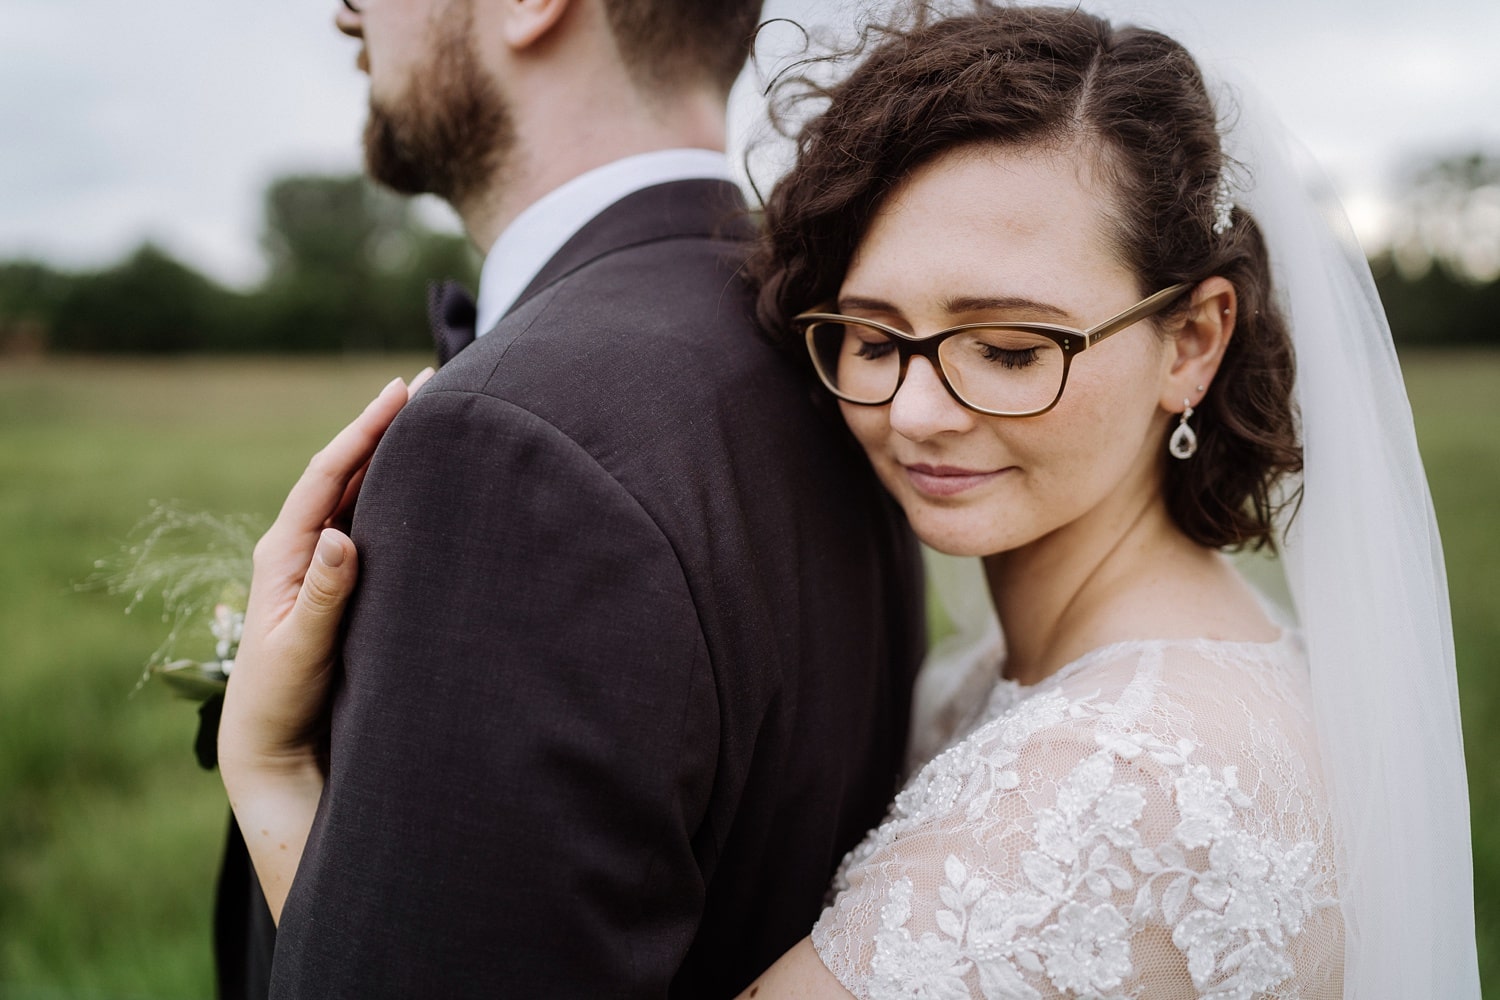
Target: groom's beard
(451, 131)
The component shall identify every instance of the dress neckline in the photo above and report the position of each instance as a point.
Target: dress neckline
(1259, 649)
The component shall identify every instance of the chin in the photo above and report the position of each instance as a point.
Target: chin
(957, 528)
(958, 537)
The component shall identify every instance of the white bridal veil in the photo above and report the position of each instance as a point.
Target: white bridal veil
(1365, 569)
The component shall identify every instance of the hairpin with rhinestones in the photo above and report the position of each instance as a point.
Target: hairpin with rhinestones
(1223, 206)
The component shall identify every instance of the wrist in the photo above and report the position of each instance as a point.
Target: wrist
(247, 771)
(259, 735)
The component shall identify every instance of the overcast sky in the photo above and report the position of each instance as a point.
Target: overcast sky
(165, 119)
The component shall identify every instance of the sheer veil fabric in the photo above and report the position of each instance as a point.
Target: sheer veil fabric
(1364, 566)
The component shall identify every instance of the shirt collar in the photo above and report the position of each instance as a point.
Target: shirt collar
(545, 225)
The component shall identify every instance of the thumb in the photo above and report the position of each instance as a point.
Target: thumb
(325, 592)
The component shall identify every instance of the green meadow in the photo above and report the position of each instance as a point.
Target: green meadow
(110, 833)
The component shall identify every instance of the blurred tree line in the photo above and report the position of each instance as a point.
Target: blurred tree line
(348, 266)
(1440, 276)
(347, 270)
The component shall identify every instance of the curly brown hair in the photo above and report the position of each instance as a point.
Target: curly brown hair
(1135, 102)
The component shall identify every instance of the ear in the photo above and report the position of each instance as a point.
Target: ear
(1198, 344)
(526, 22)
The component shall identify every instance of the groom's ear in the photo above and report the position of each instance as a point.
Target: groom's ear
(1198, 343)
(524, 23)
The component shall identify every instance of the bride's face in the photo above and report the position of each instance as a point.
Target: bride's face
(995, 234)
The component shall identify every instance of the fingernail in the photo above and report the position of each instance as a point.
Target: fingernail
(329, 552)
(375, 403)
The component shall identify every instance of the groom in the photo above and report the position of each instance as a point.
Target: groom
(629, 666)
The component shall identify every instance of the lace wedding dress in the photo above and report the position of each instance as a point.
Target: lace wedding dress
(1150, 821)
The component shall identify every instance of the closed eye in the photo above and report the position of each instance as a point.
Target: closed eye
(874, 350)
(1009, 357)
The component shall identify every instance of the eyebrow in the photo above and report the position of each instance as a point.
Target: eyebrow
(962, 304)
(984, 303)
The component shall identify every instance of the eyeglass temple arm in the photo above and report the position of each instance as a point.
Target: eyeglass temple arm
(1147, 307)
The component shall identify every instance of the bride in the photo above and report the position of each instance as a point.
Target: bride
(1061, 318)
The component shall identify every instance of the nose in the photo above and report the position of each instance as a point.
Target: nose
(923, 407)
(347, 20)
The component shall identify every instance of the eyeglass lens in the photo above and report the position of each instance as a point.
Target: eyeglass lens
(998, 368)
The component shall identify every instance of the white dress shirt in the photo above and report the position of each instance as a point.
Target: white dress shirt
(542, 229)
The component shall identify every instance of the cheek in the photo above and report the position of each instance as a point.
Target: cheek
(389, 68)
(870, 425)
(1102, 432)
(396, 47)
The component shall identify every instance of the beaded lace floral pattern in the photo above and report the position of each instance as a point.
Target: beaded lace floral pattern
(1148, 822)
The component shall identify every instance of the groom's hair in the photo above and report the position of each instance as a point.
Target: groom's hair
(668, 43)
(1130, 106)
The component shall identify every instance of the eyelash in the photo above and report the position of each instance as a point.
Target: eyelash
(1010, 359)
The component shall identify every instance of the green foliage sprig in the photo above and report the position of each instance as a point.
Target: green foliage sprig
(198, 566)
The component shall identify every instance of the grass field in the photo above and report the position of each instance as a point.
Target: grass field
(109, 833)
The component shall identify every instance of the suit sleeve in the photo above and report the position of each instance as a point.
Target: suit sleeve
(525, 738)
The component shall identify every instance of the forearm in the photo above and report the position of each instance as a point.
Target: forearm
(274, 804)
(797, 975)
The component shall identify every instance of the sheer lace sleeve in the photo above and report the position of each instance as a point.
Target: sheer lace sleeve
(1148, 822)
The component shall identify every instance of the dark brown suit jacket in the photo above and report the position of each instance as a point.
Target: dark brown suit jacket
(629, 666)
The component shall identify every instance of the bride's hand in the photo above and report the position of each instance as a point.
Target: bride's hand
(275, 704)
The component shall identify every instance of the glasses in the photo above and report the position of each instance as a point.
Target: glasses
(350, 5)
(999, 369)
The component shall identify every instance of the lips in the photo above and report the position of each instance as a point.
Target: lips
(947, 480)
